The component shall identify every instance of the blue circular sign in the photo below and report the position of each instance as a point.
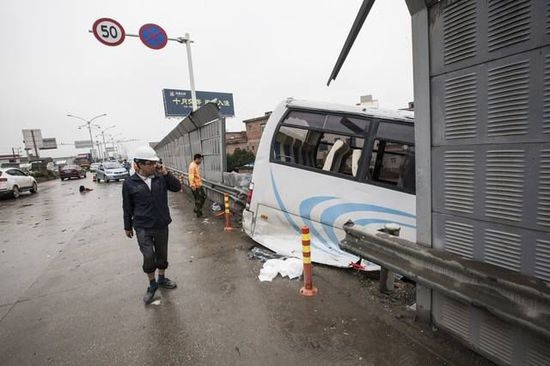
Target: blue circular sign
(153, 36)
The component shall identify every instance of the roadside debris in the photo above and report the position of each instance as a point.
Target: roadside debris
(262, 254)
(83, 189)
(216, 207)
(289, 267)
(356, 266)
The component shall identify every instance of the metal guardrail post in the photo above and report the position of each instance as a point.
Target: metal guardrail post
(387, 277)
(386, 281)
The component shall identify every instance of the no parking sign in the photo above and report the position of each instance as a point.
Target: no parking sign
(153, 36)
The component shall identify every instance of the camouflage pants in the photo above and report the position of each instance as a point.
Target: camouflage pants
(200, 197)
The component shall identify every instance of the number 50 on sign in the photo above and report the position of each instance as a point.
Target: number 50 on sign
(108, 31)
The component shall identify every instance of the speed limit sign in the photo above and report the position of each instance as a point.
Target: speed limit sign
(108, 31)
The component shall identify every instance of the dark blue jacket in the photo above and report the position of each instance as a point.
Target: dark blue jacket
(144, 208)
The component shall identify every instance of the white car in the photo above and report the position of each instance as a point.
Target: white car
(110, 171)
(94, 166)
(14, 181)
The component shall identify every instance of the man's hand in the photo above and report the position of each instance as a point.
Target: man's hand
(161, 169)
(129, 233)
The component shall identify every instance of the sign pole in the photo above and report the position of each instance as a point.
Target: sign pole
(111, 33)
(187, 41)
(37, 154)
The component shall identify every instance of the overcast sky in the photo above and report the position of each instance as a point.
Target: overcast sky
(261, 51)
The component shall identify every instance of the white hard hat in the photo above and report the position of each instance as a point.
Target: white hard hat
(145, 153)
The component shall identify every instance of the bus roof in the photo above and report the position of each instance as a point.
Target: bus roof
(405, 116)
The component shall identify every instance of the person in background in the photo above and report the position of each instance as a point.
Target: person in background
(126, 165)
(83, 189)
(195, 182)
(145, 206)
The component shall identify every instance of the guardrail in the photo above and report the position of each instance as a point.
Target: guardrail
(237, 196)
(511, 296)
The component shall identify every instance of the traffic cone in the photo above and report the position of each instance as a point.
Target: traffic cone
(227, 214)
(308, 289)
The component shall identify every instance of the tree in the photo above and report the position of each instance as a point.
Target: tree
(239, 158)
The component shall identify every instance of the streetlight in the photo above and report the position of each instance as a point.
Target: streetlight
(112, 138)
(98, 148)
(102, 132)
(88, 123)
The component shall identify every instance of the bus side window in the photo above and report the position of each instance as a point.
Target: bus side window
(295, 145)
(339, 153)
(393, 162)
(314, 149)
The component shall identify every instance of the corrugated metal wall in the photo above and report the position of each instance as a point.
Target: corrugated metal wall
(178, 147)
(490, 155)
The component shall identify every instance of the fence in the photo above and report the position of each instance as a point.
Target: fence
(203, 132)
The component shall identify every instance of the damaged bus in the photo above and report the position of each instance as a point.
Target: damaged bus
(321, 165)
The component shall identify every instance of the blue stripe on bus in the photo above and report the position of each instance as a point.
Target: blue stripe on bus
(331, 214)
(282, 207)
(306, 206)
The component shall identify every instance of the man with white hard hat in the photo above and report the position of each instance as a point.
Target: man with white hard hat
(145, 205)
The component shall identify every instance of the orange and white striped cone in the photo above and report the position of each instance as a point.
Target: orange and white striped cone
(308, 289)
(227, 213)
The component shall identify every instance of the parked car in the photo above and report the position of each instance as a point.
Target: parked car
(71, 171)
(109, 171)
(14, 181)
(94, 166)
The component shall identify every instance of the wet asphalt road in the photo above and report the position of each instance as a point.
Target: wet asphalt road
(71, 289)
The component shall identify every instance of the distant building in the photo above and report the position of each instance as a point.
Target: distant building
(368, 102)
(249, 139)
(410, 108)
(254, 129)
(234, 141)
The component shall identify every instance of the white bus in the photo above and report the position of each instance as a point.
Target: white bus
(321, 165)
